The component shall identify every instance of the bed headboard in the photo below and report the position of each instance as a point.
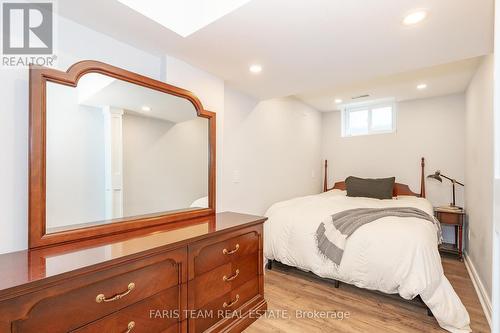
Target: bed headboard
(399, 189)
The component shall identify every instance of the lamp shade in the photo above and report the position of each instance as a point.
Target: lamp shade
(436, 175)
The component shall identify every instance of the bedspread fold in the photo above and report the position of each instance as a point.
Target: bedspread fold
(332, 233)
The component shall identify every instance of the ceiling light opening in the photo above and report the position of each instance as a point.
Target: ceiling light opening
(184, 17)
(422, 86)
(255, 69)
(415, 17)
(146, 108)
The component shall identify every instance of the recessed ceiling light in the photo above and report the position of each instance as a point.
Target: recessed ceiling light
(415, 17)
(146, 108)
(421, 86)
(255, 69)
(338, 101)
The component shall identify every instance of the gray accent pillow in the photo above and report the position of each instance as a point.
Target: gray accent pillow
(380, 188)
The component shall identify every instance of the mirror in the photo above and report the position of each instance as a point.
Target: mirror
(116, 151)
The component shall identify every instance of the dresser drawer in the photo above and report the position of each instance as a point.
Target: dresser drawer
(158, 313)
(221, 280)
(133, 327)
(223, 307)
(209, 254)
(76, 303)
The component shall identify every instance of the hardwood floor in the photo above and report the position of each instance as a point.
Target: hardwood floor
(368, 311)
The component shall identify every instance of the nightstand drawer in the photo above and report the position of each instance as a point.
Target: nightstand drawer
(449, 218)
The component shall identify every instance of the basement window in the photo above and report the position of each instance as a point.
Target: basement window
(368, 118)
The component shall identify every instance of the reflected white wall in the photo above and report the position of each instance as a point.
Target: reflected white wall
(75, 159)
(165, 165)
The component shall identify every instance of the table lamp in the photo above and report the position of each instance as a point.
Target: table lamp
(439, 177)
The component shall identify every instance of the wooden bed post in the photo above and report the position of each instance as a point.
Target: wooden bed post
(325, 181)
(422, 179)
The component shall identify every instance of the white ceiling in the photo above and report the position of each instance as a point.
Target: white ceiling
(452, 78)
(131, 98)
(307, 46)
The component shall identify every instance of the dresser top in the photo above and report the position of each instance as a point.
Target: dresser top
(31, 266)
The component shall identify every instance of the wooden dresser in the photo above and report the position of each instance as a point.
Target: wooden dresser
(198, 275)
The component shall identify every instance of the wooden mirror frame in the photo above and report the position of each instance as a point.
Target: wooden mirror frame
(38, 78)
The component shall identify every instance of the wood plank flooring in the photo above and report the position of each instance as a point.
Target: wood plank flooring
(368, 311)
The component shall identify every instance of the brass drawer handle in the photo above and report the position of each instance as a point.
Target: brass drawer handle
(230, 304)
(225, 251)
(101, 298)
(130, 327)
(232, 277)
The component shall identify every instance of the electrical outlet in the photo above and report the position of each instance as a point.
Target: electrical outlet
(236, 176)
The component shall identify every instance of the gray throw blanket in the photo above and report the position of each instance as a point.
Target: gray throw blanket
(332, 234)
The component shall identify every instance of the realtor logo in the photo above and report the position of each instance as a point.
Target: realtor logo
(27, 30)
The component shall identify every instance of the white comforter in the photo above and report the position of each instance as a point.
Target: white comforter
(393, 255)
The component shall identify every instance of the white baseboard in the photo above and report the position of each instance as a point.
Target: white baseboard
(480, 290)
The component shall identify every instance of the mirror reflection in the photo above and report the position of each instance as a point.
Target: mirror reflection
(116, 150)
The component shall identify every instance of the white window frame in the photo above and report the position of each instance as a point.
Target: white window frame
(347, 109)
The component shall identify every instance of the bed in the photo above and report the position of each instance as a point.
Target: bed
(393, 255)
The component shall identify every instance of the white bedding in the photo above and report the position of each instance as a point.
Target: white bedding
(200, 203)
(393, 255)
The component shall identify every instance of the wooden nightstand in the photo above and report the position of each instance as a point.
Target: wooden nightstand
(455, 218)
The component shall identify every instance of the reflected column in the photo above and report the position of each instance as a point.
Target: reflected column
(113, 161)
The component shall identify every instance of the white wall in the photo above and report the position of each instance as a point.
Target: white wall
(479, 175)
(273, 145)
(271, 151)
(496, 215)
(431, 128)
(164, 164)
(210, 90)
(75, 43)
(75, 159)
